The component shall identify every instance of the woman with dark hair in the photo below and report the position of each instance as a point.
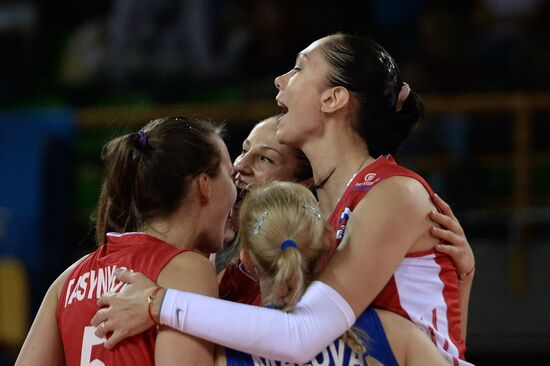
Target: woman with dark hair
(347, 108)
(167, 192)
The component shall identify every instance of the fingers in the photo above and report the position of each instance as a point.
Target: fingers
(137, 279)
(444, 206)
(105, 299)
(453, 252)
(102, 329)
(125, 276)
(114, 339)
(447, 222)
(101, 316)
(105, 327)
(447, 236)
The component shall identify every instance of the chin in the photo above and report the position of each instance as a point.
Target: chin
(284, 138)
(228, 236)
(290, 143)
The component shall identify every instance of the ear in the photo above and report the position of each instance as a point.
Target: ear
(203, 181)
(334, 99)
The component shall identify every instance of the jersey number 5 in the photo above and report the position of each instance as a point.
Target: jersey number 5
(88, 341)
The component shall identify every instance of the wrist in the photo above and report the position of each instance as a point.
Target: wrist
(154, 304)
(466, 276)
(157, 305)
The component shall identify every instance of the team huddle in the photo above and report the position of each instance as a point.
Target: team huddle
(333, 253)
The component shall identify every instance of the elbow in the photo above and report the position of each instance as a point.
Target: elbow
(299, 354)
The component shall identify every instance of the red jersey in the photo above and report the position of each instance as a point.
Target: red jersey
(94, 276)
(424, 288)
(238, 286)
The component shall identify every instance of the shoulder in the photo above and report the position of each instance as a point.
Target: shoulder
(190, 271)
(393, 322)
(190, 261)
(403, 187)
(57, 286)
(401, 192)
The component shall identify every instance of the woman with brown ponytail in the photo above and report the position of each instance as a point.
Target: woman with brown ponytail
(166, 194)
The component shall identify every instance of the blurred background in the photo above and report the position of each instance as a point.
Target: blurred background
(74, 74)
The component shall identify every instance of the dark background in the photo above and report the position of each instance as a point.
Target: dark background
(73, 74)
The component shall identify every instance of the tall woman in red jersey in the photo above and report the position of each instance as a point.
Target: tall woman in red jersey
(347, 109)
(166, 195)
(262, 160)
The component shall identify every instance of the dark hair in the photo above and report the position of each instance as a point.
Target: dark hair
(147, 174)
(303, 170)
(368, 71)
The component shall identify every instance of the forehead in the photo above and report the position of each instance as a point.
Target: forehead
(314, 48)
(264, 134)
(224, 153)
(314, 57)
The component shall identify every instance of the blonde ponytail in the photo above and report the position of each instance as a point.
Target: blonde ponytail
(288, 285)
(282, 229)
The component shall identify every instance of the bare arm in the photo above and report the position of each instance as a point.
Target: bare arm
(191, 272)
(410, 346)
(43, 345)
(460, 252)
(387, 224)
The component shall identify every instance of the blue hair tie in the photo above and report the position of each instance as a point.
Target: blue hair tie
(288, 243)
(141, 142)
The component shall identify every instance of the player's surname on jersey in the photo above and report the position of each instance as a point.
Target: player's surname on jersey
(93, 284)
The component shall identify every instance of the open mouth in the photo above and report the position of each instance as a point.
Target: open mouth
(283, 107)
(239, 184)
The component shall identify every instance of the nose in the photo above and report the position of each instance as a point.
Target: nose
(242, 165)
(278, 82)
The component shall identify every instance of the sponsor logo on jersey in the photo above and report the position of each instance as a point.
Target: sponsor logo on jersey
(369, 180)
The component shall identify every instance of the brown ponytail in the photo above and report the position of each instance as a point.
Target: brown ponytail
(147, 173)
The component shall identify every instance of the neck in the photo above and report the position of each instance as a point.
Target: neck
(175, 230)
(341, 153)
